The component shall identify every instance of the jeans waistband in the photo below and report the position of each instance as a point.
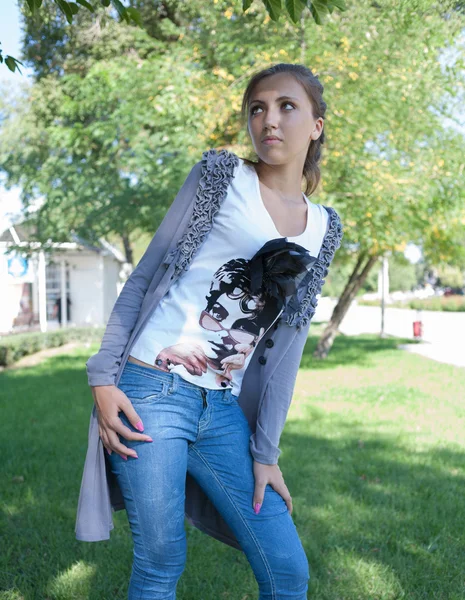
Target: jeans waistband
(174, 379)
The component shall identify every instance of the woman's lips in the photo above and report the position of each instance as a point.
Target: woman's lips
(275, 141)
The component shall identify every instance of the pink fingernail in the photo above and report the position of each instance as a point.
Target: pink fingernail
(149, 439)
(140, 426)
(125, 457)
(257, 508)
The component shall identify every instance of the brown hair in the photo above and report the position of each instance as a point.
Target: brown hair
(314, 89)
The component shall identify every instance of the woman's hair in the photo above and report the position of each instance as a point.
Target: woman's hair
(314, 89)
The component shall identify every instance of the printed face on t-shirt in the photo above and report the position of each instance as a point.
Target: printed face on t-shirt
(235, 317)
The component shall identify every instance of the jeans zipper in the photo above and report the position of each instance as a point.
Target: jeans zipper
(204, 397)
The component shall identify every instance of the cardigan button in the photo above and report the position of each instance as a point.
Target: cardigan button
(269, 343)
(262, 360)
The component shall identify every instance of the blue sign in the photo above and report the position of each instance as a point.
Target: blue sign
(17, 266)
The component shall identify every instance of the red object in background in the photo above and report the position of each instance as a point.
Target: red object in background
(417, 329)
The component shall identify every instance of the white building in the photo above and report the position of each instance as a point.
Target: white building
(32, 290)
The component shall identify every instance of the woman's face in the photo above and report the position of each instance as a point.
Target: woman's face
(279, 106)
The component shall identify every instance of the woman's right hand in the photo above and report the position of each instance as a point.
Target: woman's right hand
(109, 401)
(190, 355)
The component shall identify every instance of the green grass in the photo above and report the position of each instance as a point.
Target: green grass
(373, 455)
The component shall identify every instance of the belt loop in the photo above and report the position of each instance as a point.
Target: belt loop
(174, 383)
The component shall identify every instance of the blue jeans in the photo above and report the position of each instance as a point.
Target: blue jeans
(204, 432)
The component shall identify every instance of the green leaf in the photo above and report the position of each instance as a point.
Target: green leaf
(85, 4)
(105, 2)
(12, 63)
(274, 8)
(295, 8)
(318, 9)
(32, 5)
(321, 6)
(246, 4)
(134, 15)
(65, 9)
(315, 15)
(74, 7)
(121, 10)
(340, 4)
(330, 7)
(38, 3)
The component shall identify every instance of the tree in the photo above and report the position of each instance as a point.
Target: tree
(117, 116)
(147, 14)
(393, 168)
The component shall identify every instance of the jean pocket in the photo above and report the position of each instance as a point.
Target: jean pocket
(145, 392)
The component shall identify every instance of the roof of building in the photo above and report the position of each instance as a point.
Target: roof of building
(23, 233)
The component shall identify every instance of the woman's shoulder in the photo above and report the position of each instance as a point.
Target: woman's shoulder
(327, 223)
(222, 160)
(323, 209)
(320, 216)
(330, 216)
(222, 154)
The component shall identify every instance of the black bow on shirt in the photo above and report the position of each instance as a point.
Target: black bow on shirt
(281, 269)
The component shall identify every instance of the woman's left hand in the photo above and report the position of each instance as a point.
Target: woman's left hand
(271, 474)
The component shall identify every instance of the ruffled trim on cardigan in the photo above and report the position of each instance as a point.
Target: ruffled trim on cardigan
(331, 242)
(216, 174)
(217, 171)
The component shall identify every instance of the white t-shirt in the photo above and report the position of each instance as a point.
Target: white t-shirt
(207, 326)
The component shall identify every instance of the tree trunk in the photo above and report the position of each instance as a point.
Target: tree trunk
(355, 282)
(127, 249)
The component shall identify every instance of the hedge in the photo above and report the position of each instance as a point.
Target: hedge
(439, 303)
(14, 347)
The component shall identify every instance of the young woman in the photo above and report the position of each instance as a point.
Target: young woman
(198, 373)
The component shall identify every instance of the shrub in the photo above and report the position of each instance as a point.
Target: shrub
(13, 347)
(440, 303)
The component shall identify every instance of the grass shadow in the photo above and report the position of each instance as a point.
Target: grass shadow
(368, 507)
(348, 350)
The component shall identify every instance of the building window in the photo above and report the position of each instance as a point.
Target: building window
(53, 286)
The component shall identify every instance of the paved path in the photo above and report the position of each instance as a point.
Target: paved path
(440, 352)
(38, 357)
(443, 332)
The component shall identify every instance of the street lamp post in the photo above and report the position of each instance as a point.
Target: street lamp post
(384, 291)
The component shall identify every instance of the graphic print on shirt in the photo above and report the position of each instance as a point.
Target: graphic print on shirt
(242, 241)
(236, 320)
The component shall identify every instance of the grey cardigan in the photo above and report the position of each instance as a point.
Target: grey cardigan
(267, 385)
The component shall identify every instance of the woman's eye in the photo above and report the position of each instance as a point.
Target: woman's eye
(283, 104)
(236, 293)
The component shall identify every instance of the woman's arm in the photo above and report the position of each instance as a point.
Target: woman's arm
(272, 412)
(102, 367)
(276, 401)
(271, 418)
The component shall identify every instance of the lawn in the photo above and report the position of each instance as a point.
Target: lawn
(373, 454)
